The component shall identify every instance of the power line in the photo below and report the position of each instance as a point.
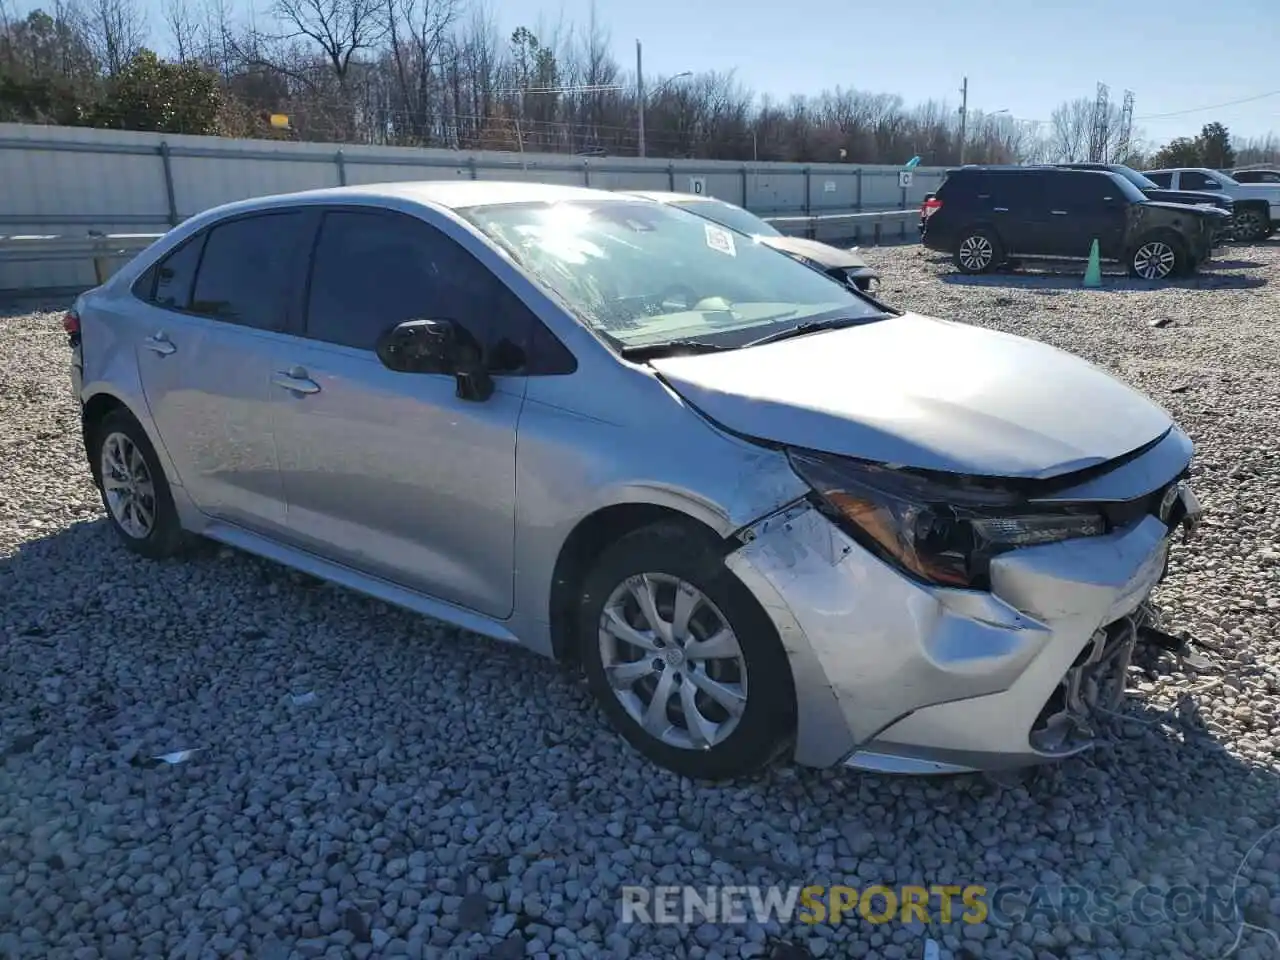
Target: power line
(1214, 106)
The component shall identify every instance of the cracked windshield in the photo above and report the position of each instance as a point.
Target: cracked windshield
(643, 274)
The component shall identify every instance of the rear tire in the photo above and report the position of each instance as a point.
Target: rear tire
(1158, 256)
(663, 621)
(134, 489)
(979, 251)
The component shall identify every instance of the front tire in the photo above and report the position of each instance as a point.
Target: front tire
(134, 489)
(1251, 226)
(682, 658)
(1158, 257)
(979, 251)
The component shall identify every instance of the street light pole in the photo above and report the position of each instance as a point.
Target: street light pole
(640, 94)
(964, 115)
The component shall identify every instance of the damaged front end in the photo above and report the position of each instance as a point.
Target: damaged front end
(969, 626)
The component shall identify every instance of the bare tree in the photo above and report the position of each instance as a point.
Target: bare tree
(417, 33)
(340, 28)
(116, 30)
(183, 28)
(1069, 126)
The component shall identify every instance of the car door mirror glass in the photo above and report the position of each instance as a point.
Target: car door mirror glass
(437, 346)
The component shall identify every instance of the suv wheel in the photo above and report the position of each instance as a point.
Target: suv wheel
(1157, 258)
(979, 251)
(1250, 226)
(682, 658)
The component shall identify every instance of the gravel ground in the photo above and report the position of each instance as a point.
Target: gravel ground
(370, 783)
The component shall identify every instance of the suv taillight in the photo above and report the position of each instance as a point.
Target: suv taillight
(71, 324)
(930, 207)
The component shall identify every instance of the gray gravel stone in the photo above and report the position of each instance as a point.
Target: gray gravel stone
(351, 826)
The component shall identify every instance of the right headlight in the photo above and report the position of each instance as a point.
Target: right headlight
(941, 531)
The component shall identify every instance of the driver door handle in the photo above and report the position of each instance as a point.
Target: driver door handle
(159, 343)
(1058, 213)
(296, 380)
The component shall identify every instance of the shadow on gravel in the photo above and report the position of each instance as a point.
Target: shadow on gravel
(1235, 264)
(1111, 283)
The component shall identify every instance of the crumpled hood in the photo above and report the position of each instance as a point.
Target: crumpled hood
(823, 254)
(925, 393)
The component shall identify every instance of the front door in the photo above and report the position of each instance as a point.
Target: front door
(391, 473)
(1088, 206)
(208, 339)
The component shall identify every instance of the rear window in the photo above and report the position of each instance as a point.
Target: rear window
(961, 183)
(1162, 180)
(168, 283)
(727, 215)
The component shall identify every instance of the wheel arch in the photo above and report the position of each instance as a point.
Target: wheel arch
(95, 410)
(985, 224)
(589, 538)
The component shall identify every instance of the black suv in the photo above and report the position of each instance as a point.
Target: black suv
(989, 216)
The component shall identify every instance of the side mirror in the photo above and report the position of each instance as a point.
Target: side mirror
(437, 346)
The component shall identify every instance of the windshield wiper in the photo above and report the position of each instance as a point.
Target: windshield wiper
(814, 326)
(667, 348)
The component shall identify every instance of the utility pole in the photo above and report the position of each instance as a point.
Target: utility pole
(964, 115)
(640, 94)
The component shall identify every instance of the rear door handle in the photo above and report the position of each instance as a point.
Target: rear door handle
(160, 344)
(296, 380)
(1058, 213)
(1000, 209)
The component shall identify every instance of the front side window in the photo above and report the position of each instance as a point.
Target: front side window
(646, 273)
(1086, 191)
(373, 270)
(726, 214)
(245, 272)
(1195, 180)
(1162, 180)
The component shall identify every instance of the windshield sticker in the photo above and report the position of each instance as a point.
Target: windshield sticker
(720, 239)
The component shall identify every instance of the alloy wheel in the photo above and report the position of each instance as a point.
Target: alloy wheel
(126, 481)
(976, 253)
(1248, 225)
(1154, 260)
(673, 662)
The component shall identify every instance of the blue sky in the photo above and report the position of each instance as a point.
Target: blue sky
(1025, 56)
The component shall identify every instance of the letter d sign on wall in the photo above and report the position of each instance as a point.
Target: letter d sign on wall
(698, 186)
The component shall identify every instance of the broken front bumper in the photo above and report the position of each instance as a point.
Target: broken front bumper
(898, 676)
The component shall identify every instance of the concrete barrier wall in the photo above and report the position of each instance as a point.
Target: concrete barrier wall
(69, 180)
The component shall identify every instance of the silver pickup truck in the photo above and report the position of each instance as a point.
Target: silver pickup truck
(1257, 205)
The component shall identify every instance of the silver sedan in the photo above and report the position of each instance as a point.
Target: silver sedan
(764, 514)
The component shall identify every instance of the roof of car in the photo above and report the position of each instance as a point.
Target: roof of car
(451, 194)
(1020, 167)
(1183, 170)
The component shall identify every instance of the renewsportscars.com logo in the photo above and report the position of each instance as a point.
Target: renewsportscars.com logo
(939, 903)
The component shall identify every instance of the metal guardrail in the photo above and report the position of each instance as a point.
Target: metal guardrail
(831, 223)
(101, 248)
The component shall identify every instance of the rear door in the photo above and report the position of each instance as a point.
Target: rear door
(1019, 208)
(388, 472)
(215, 309)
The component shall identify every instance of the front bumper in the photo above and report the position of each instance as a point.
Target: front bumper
(897, 676)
